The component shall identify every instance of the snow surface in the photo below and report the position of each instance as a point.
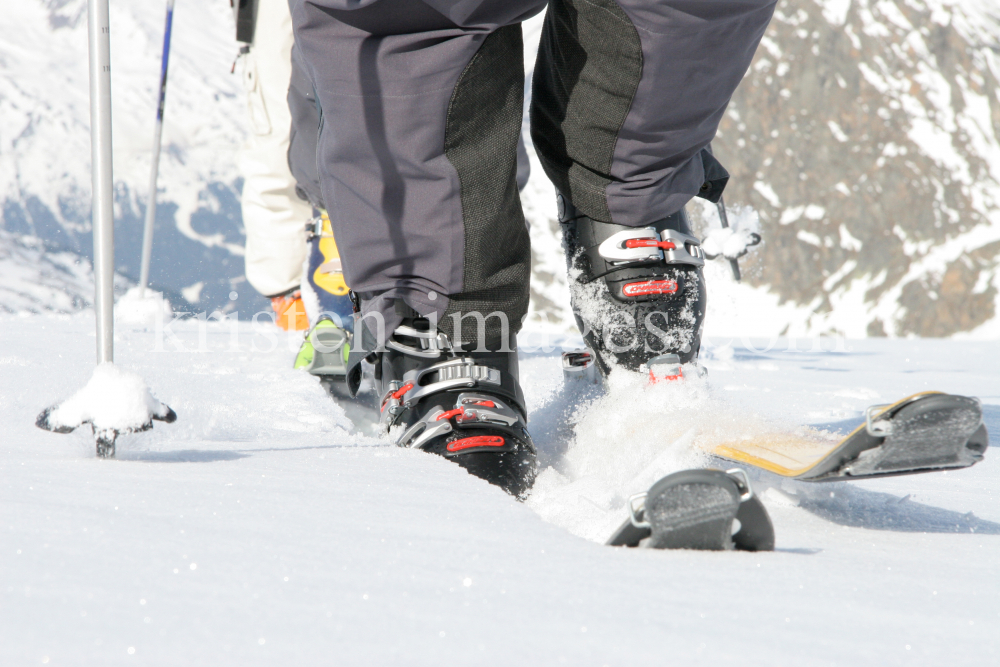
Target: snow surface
(259, 529)
(140, 307)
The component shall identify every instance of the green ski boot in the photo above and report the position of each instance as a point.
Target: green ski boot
(324, 353)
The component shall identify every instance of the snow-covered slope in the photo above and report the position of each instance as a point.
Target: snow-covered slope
(259, 530)
(36, 280)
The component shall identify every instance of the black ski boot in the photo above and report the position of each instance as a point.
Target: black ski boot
(637, 292)
(465, 406)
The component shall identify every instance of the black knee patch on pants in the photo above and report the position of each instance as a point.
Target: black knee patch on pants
(483, 125)
(590, 63)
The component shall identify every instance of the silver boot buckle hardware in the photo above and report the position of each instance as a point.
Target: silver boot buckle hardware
(633, 511)
(432, 343)
(314, 228)
(477, 408)
(392, 402)
(880, 428)
(425, 430)
(469, 409)
(648, 245)
(453, 374)
(464, 369)
(580, 365)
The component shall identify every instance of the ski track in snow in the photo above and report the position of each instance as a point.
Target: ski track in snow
(259, 529)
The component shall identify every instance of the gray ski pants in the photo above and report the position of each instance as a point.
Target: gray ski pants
(421, 105)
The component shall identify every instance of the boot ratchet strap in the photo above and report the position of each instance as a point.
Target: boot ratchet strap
(470, 410)
(452, 374)
(647, 245)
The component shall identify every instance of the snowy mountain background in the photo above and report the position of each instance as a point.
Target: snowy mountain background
(45, 142)
(865, 136)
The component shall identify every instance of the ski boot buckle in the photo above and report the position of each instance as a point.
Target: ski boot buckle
(579, 366)
(665, 367)
(880, 428)
(648, 245)
(432, 343)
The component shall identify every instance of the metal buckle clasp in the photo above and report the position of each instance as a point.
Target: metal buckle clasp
(432, 343)
(686, 250)
(633, 510)
(743, 483)
(613, 248)
(880, 428)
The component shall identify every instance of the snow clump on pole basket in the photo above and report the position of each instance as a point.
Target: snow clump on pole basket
(114, 402)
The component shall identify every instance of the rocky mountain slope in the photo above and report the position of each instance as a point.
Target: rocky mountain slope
(866, 136)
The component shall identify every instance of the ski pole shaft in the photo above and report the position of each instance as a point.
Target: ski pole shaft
(147, 231)
(720, 206)
(734, 264)
(102, 207)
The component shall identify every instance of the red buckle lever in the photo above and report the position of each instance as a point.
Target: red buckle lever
(650, 243)
(398, 394)
(450, 413)
(653, 378)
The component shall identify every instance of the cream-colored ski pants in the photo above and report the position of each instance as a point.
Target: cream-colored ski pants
(274, 217)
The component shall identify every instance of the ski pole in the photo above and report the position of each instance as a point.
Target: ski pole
(147, 232)
(734, 263)
(107, 426)
(102, 211)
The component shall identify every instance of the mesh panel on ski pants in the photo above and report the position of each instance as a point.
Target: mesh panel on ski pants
(626, 95)
(421, 106)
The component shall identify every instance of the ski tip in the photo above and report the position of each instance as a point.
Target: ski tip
(700, 509)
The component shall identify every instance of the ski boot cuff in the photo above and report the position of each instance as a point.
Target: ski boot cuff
(638, 292)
